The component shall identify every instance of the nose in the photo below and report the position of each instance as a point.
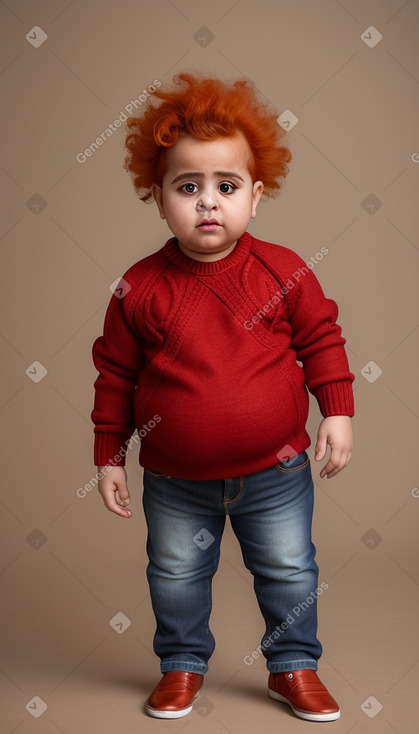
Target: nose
(205, 203)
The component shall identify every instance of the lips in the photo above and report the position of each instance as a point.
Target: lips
(209, 225)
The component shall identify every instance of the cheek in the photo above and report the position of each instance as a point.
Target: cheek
(243, 207)
(181, 209)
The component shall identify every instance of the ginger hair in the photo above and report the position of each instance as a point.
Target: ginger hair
(207, 108)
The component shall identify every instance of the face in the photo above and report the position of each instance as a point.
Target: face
(207, 195)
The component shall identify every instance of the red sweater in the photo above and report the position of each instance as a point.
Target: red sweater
(201, 358)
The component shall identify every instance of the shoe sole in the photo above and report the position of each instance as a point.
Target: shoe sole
(161, 714)
(306, 715)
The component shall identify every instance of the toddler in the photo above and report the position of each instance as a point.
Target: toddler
(209, 348)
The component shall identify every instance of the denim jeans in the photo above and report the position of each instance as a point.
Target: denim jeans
(271, 514)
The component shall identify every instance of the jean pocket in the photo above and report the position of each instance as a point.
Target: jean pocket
(294, 463)
(157, 473)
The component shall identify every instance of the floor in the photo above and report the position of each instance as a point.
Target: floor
(95, 677)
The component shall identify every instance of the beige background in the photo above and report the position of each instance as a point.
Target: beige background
(67, 566)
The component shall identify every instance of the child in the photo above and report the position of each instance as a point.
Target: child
(207, 349)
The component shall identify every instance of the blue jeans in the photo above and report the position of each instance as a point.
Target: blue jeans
(271, 515)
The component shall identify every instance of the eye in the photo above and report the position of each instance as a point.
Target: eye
(227, 188)
(189, 188)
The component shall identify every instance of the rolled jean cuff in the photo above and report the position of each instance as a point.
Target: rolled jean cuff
(187, 663)
(285, 666)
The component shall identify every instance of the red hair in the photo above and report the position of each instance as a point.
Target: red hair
(206, 108)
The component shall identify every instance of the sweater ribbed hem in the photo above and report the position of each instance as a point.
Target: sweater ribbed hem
(177, 257)
(110, 448)
(336, 399)
(185, 466)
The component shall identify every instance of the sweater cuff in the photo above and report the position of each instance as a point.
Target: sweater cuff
(110, 448)
(336, 398)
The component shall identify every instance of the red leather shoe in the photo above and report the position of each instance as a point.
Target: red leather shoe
(305, 693)
(173, 697)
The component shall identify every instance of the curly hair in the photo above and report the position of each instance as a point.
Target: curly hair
(207, 108)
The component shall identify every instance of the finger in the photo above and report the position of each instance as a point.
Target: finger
(337, 458)
(320, 448)
(118, 510)
(123, 496)
(329, 471)
(326, 469)
(109, 498)
(334, 466)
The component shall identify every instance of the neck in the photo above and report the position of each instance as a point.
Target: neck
(206, 257)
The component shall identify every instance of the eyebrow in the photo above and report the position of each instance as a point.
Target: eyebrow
(198, 174)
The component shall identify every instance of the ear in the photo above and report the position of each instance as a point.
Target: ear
(158, 198)
(257, 193)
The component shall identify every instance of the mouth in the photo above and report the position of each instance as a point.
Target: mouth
(209, 225)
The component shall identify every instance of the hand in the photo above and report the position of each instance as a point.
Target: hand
(335, 431)
(113, 487)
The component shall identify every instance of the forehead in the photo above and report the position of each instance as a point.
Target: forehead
(208, 156)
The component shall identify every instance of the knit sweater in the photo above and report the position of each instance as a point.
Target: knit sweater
(211, 361)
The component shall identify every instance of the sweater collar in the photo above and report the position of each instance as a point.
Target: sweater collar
(177, 257)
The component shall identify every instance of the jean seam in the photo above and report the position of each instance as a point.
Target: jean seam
(234, 499)
(287, 663)
(209, 594)
(189, 662)
(291, 471)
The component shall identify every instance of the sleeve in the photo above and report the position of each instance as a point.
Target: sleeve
(319, 345)
(117, 355)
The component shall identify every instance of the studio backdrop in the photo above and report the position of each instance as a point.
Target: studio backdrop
(77, 623)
